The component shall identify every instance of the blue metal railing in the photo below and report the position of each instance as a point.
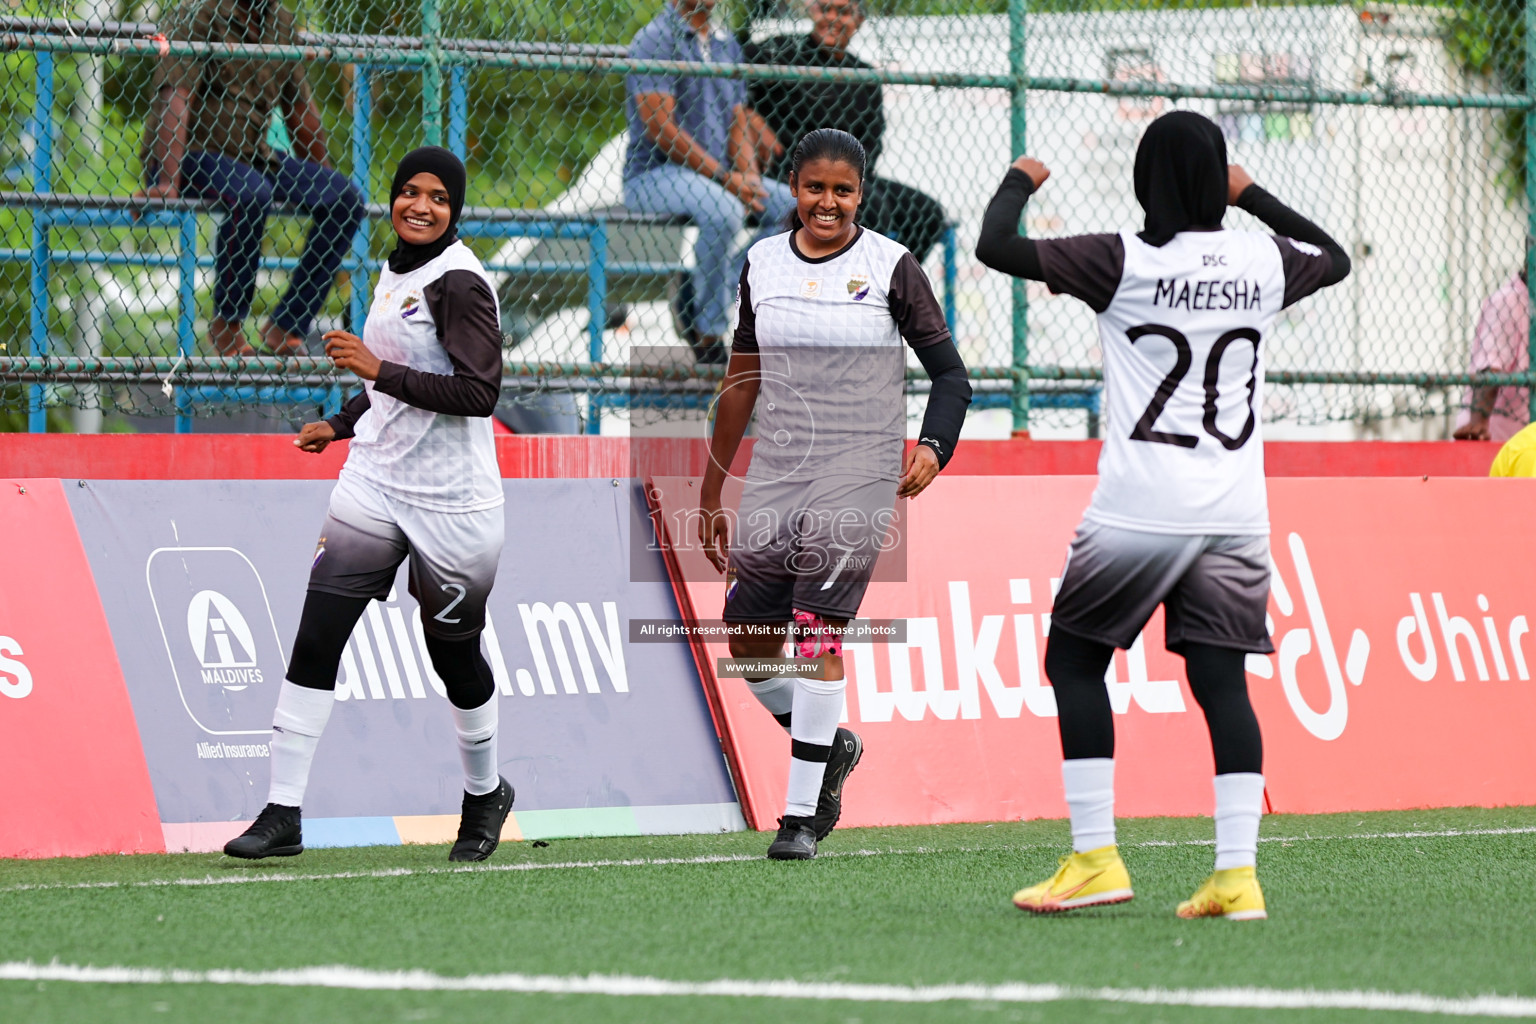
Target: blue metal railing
(50, 210)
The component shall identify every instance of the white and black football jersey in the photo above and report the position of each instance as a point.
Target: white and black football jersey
(830, 334)
(1183, 329)
(432, 459)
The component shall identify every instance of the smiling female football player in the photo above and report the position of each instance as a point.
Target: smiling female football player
(420, 482)
(823, 311)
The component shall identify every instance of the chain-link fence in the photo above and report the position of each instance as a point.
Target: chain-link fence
(1400, 128)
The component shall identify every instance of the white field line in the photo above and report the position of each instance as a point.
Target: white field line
(636, 862)
(343, 977)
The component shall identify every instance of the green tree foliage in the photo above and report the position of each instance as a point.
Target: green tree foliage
(1487, 37)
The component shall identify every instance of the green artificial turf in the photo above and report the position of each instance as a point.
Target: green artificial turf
(1442, 915)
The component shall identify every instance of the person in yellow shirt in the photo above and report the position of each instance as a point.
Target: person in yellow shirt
(1518, 456)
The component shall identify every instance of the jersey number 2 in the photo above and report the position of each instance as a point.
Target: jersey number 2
(1183, 359)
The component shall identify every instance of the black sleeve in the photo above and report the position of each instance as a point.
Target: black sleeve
(947, 400)
(921, 321)
(999, 245)
(464, 310)
(344, 423)
(913, 305)
(1086, 267)
(746, 321)
(1305, 271)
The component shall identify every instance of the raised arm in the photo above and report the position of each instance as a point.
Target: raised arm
(1087, 267)
(1000, 246)
(1302, 276)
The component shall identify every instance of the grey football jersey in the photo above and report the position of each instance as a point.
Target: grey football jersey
(428, 459)
(830, 334)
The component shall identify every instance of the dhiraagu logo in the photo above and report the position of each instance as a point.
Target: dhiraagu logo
(220, 638)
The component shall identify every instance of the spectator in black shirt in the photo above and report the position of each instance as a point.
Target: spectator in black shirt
(784, 112)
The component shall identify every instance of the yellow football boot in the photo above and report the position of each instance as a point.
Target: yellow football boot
(1092, 879)
(1233, 894)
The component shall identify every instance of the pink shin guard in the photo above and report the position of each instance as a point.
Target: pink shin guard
(813, 637)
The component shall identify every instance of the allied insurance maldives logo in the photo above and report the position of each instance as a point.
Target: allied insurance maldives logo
(219, 636)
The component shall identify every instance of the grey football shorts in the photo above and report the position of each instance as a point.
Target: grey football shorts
(809, 545)
(1215, 589)
(367, 534)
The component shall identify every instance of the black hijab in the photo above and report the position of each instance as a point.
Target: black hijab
(450, 171)
(1181, 176)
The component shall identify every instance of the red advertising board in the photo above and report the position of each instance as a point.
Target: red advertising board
(273, 457)
(1402, 676)
(75, 778)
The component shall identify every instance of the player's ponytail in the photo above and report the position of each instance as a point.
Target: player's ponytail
(825, 144)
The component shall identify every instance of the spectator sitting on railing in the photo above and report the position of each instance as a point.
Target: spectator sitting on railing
(206, 138)
(1501, 344)
(682, 131)
(784, 112)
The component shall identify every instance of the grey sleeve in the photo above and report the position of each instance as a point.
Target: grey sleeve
(1086, 267)
(464, 310)
(913, 305)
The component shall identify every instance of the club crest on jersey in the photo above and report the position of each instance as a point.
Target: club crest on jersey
(810, 288)
(409, 307)
(858, 287)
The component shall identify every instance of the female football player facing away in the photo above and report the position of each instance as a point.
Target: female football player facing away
(1180, 516)
(823, 311)
(420, 482)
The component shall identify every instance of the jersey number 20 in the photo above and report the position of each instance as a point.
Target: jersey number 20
(1183, 358)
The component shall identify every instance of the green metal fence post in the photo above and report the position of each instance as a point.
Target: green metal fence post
(432, 74)
(1018, 72)
(1530, 195)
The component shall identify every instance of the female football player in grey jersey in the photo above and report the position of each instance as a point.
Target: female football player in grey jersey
(420, 482)
(818, 353)
(1179, 517)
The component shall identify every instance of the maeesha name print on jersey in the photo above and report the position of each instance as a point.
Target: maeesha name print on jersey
(1207, 294)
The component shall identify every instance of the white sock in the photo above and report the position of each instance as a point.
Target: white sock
(296, 727)
(776, 693)
(1089, 783)
(477, 747)
(817, 708)
(1239, 805)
